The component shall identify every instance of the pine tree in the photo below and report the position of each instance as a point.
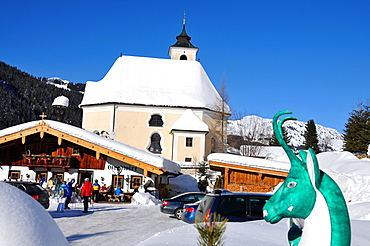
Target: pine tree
(211, 231)
(357, 130)
(202, 174)
(311, 140)
(274, 142)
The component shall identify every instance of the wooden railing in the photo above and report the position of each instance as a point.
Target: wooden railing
(46, 160)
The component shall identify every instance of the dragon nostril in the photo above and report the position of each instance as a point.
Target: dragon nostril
(265, 213)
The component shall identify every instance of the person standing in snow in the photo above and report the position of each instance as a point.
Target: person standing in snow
(86, 192)
(69, 193)
(62, 196)
(96, 188)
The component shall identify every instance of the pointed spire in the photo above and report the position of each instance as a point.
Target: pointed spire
(183, 40)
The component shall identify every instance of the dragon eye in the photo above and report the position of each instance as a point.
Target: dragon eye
(292, 184)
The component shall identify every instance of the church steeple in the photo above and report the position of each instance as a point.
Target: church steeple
(183, 49)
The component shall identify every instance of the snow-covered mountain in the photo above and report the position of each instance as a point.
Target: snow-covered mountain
(58, 82)
(260, 129)
(65, 84)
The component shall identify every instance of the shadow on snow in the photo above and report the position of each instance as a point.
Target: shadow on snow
(78, 212)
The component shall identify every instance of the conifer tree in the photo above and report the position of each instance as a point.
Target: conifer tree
(274, 142)
(357, 130)
(202, 176)
(311, 140)
(211, 231)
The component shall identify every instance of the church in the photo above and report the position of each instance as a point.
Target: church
(168, 107)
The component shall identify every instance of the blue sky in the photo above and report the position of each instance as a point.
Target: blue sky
(310, 57)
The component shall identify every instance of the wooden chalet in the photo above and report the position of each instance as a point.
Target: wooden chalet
(244, 174)
(46, 148)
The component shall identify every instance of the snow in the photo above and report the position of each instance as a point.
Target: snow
(118, 147)
(190, 122)
(182, 183)
(154, 81)
(24, 221)
(329, 138)
(141, 224)
(61, 101)
(249, 162)
(58, 82)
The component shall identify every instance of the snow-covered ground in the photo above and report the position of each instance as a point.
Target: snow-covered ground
(129, 224)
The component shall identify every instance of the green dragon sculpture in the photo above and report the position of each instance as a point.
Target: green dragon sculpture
(310, 198)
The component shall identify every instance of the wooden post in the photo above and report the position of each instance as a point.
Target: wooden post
(226, 178)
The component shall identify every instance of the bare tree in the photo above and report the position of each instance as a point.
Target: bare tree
(254, 134)
(222, 113)
(325, 143)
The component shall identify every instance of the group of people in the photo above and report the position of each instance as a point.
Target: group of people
(66, 191)
(87, 191)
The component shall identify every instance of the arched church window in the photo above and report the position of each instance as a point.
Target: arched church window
(183, 57)
(156, 120)
(155, 144)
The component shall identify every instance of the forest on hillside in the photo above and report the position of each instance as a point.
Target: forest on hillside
(24, 98)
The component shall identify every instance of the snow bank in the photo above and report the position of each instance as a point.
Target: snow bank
(24, 221)
(144, 199)
(183, 183)
(351, 174)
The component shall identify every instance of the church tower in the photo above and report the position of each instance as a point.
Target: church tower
(183, 49)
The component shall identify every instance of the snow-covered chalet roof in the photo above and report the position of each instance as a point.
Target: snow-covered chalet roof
(190, 122)
(249, 162)
(129, 151)
(154, 82)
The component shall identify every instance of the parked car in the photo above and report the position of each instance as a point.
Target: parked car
(175, 204)
(34, 190)
(188, 212)
(234, 206)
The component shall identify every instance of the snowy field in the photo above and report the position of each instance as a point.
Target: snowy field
(126, 224)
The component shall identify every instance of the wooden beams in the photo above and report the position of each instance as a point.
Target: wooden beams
(43, 128)
(226, 175)
(238, 178)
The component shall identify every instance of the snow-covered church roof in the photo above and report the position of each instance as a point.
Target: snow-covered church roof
(190, 122)
(154, 82)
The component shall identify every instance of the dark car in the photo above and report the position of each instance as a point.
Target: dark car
(188, 212)
(34, 190)
(236, 207)
(175, 204)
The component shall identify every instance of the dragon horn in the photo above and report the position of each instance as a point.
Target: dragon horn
(278, 130)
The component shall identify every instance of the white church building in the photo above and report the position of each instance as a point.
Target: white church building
(168, 107)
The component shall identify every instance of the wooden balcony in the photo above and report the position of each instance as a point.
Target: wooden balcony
(46, 161)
